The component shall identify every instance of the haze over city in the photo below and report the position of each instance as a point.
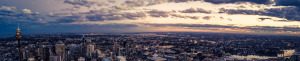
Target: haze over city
(149, 30)
(275, 17)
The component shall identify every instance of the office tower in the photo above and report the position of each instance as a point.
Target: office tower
(127, 43)
(55, 58)
(52, 50)
(18, 36)
(31, 59)
(44, 52)
(95, 54)
(124, 43)
(73, 52)
(115, 47)
(83, 39)
(121, 58)
(90, 48)
(106, 59)
(35, 53)
(23, 55)
(81, 59)
(94, 60)
(119, 52)
(83, 47)
(28, 53)
(60, 49)
(68, 54)
(185, 56)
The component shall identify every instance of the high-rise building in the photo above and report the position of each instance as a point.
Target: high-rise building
(23, 55)
(60, 50)
(74, 51)
(44, 52)
(81, 59)
(31, 59)
(106, 59)
(68, 54)
(115, 47)
(121, 58)
(90, 48)
(95, 54)
(18, 36)
(83, 47)
(52, 50)
(55, 58)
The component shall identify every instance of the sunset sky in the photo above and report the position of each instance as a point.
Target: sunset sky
(274, 17)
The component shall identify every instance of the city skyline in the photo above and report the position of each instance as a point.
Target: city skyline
(272, 17)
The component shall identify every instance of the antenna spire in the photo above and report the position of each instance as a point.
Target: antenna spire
(18, 26)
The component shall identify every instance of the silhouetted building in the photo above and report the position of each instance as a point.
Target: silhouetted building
(55, 58)
(60, 49)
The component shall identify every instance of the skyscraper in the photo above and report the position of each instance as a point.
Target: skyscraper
(31, 59)
(43, 52)
(60, 49)
(90, 48)
(81, 59)
(68, 54)
(74, 52)
(55, 58)
(18, 36)
(25, 54)
(83, 47)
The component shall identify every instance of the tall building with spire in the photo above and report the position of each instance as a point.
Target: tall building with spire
(83, 47)
(18, 36)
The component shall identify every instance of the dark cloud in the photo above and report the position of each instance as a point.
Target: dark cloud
(112, 1)
(100, 17)
(13, 14)
(189, 25)
(206, 17)
(177, 1)
(287, 2)
(177, 15)
(293, 28)
(290, 13)
(119, 16)
(96, 15)
(86, 3)
(5, 9)
(67, 19)
(181, 16)
(195, 17)
(134, 15)
(234, 1)
(120, 25)
(70, 9)
(57, 14)
(134, 3)
(158, 13)
(262, 19)
(154, 2)
(119, 7)
(193, 10)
